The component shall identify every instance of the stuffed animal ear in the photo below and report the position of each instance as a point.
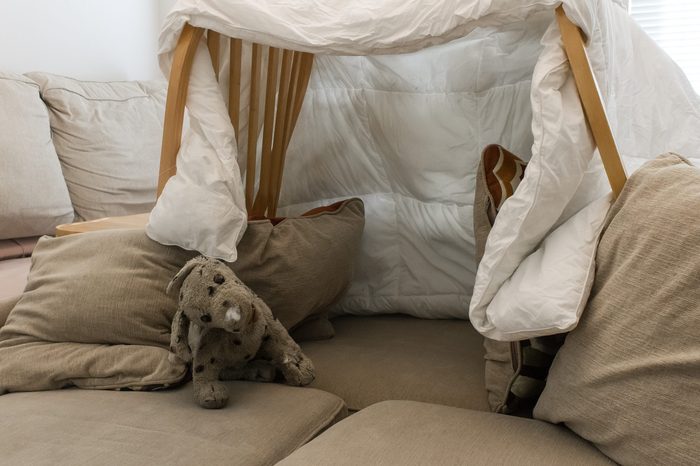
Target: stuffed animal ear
(179, 277)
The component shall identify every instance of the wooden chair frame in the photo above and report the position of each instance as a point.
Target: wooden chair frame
(287, 78)
(285, 88)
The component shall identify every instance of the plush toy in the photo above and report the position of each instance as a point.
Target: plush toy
(229, 333)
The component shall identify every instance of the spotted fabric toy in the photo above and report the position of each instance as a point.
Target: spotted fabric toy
(229, 333)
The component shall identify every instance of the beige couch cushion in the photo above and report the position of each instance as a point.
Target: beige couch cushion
(33, 194)
(94, 314)
(378, 358)
(262, 424)
(108, 138)
(408, 433)
(628, 377)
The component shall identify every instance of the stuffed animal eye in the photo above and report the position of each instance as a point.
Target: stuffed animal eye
(206, 318)
(219, 279)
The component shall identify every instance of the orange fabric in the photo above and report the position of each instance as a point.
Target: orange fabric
(503, 171)
(316, 210)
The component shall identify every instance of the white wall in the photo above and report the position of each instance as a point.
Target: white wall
(165, 6)
(85, 39)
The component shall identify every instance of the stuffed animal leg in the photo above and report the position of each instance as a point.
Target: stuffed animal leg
(179, 335)
(209, 392)
(284, 353)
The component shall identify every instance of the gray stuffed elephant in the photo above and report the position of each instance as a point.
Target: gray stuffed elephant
(229, 333)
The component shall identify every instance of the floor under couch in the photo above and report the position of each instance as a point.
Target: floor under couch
(432, 370)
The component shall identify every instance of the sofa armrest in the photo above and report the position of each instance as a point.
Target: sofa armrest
(6, 305)
(129, 222)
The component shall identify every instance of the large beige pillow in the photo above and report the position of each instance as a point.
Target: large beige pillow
(33, 194)
(108, 137)
(301, 265)
(94, 314)
(628, 377)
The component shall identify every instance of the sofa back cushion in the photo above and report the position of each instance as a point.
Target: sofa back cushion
(108, 138)
(628, 377)
(33, 194)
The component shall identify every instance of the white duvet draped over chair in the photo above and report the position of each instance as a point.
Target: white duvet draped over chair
(403, 97)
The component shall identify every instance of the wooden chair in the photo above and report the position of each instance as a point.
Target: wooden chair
(287, 79)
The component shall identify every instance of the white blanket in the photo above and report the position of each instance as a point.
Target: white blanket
(405, 132)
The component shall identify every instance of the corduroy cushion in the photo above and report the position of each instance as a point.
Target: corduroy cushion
(262, 424)
(108, 137)
(94, 314)
(628, 377)
(407, 433)
(301, 265)
(33, 193)
(379, 358)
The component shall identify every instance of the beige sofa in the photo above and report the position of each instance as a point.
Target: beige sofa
(388, 390)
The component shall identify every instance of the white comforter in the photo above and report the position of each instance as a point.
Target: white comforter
(405, 133)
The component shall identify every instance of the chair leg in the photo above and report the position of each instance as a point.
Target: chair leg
(176, 100)
(593, 108)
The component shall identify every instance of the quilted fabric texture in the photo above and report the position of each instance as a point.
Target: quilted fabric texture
(628, 377)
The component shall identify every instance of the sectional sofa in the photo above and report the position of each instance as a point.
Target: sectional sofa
(388, 389)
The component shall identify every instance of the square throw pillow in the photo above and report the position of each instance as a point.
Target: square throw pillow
(108, 137)
(93, 314)
(628, 377)
(33, 194)
(515, 372)
(301, 265)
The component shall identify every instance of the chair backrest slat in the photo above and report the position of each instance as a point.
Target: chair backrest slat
(260, 203)
(234, 89)
(214, 44)
(278, 143)
(234, 101)
(300, 82)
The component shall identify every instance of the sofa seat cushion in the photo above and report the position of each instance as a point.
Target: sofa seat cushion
(379, 358)
(13, 277)
(410, 433)
(262, 424)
